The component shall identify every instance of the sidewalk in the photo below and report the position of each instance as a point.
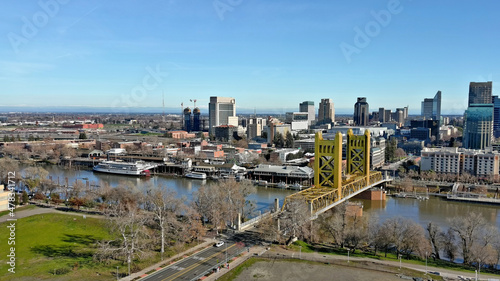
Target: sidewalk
(191, 251)
(44, 210)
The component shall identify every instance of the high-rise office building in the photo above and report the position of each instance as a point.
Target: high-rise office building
(478, 129)
(431, 108)
(308, 106)
(187, 119)
(381, 115)
(361, 114)
(255, 127)
(496, 116)
(196, 119)
(480, 92)
(399, 115)
(326, 112)
(221, 111)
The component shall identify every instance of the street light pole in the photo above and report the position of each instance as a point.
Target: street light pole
(117, 273)
(426, 262)
(300, 252)
(348, 251)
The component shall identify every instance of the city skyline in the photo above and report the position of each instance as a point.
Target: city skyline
(394, 53)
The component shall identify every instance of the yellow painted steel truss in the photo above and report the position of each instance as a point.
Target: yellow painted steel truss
(329, 186)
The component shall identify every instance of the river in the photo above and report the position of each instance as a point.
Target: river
(435, 209)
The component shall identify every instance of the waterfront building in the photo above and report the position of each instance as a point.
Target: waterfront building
(326, 112)
(308, 106)
(361, 114)
(480, 92)
(286, 174)
(478, 129)
(454, 160)
(221, 111)
(377, 152)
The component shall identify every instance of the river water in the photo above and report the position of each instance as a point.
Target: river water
(435, 209)
(263, 199)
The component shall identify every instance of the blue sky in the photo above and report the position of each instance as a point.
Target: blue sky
(266, 54)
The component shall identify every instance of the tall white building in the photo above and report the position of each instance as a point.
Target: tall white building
(221, 111)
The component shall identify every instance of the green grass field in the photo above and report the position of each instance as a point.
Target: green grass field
(55, 242)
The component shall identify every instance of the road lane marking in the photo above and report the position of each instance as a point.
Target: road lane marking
(195, 265)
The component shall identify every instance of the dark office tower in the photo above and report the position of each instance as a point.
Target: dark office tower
(361, 114)
(496, 116)
(431, 108)
(381, 115)
(196, 119)
(480, 92)
(187, 119)
(326, 112)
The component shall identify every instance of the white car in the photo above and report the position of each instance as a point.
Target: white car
(219, 244)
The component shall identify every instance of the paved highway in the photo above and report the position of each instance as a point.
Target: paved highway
(196, 264)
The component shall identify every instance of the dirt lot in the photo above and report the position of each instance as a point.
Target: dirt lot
(291, 271)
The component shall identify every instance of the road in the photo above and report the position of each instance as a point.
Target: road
(197, 264)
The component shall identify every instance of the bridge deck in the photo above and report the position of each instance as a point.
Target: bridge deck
(322, 199)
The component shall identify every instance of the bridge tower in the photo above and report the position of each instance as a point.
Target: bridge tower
(358, 155)
(328, 162)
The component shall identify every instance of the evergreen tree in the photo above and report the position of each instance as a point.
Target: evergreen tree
(16, 200)
(25, 197)
(289, 139)
(82, 136)
(6, 138)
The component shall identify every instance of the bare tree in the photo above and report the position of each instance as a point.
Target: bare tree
(449, 244)
(7, 166)
(335, 223)
(34, 176)
(433, 232)
(166, 207)
(467, 231)
(294, 217)
(128, 222)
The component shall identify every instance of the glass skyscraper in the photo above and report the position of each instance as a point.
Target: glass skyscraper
(478, 129)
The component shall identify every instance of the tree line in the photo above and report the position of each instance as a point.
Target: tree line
(470, 239)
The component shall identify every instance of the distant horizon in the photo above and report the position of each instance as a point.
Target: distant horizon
(158, 110)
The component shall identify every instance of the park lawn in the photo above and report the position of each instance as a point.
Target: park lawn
(49, 242)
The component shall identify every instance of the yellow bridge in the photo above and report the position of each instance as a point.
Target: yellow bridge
(334, 183)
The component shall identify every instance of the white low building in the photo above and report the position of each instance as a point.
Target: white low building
(454, 160)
